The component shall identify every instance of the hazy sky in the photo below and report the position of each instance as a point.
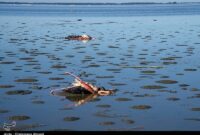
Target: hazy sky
(100, 1)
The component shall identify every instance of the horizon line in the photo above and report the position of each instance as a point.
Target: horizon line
(95, 3)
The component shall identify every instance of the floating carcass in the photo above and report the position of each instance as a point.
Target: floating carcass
(81, 91)
(83, 37)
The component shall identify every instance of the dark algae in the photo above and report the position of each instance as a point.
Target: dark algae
(153, 87)
(18, 92)
(141, 107)
(27, 80)
(19, 117)
(71, 119)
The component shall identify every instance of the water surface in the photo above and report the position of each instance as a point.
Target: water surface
(151, 59)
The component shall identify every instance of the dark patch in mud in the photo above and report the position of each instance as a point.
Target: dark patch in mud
(144, 95)
(56, 78)
(141, 107)
(58, 66)
(148, 72)
(170, 58)
(169, 91)
(18, 92)
(123, 99)
(173, 98)
(196, 109)
(3, 111)
(19, 117)
(45, 72)
(167, 81)
(103, 106)
(70, 119)
(28, 80)
(153, 87)
(193, 119)
(38, 102)
(7, 86)
(190, 69)
(106, 123)
(128, 121)
(184, 85)
(27, 58)
(7, 62)
(104, 76)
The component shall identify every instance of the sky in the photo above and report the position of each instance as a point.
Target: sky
(115, 1)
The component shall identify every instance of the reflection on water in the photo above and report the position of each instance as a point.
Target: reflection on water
(78, 99)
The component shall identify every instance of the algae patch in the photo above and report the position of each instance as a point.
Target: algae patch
(153, 87)
(19, 117)
(18, 92)
(71, 118)
(141, 107)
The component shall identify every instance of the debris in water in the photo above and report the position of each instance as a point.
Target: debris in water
(83, 37)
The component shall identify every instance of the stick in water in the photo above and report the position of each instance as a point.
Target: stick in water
(85, 85)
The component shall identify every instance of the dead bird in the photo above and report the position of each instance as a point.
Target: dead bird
(81, 92)
(79, 37)
(81, 87)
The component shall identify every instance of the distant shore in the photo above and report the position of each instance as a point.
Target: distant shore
(129, 3)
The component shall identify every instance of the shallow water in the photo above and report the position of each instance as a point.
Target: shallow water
(153, 62)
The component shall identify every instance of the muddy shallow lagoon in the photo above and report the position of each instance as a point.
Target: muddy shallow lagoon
(154, 65)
